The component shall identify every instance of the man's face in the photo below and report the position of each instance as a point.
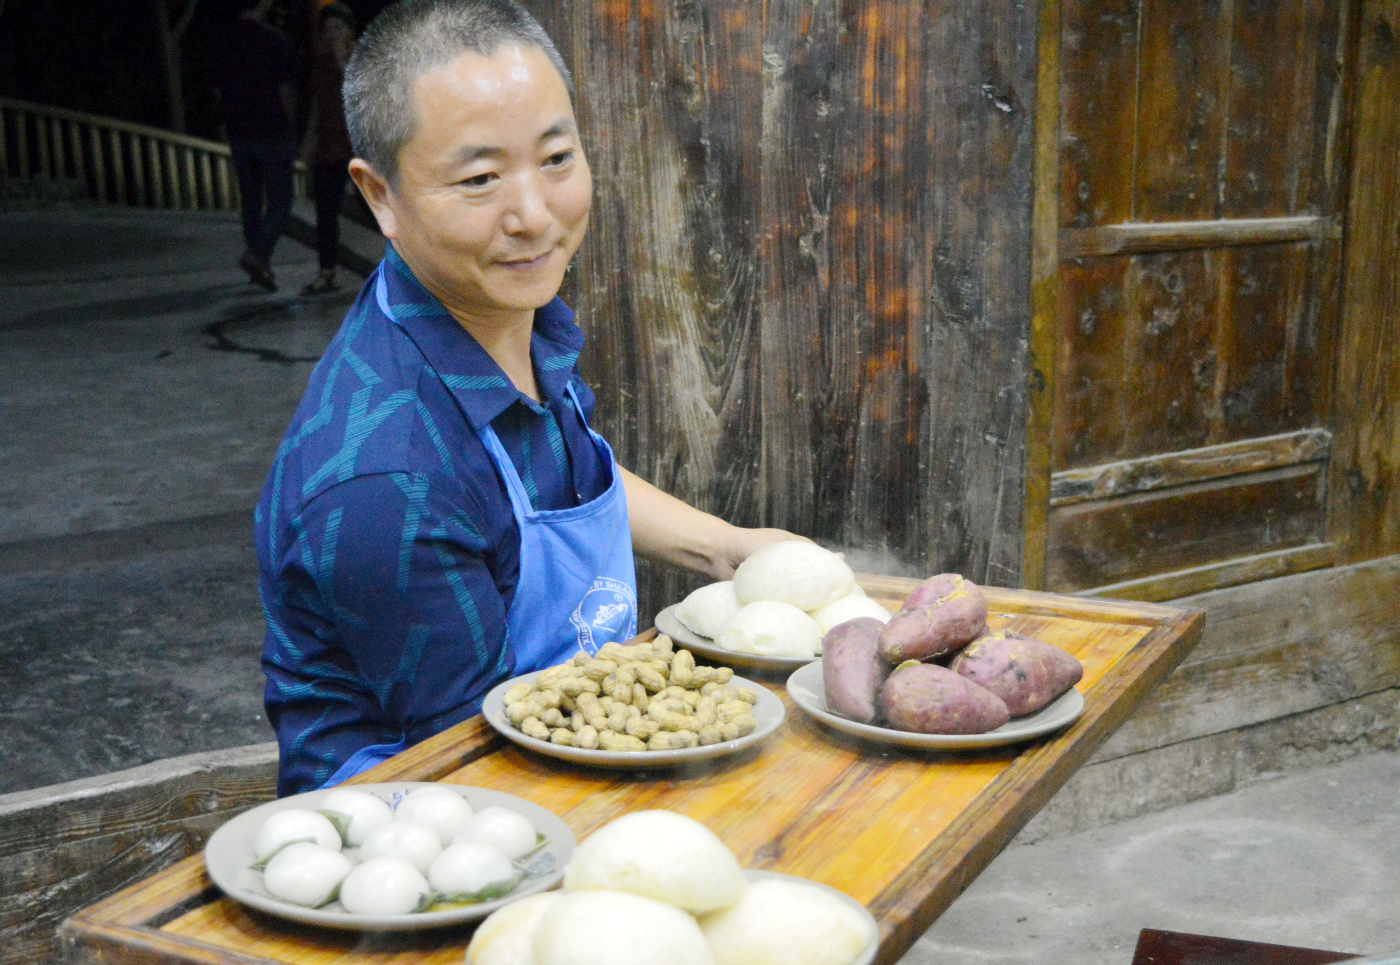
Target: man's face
(494, 190)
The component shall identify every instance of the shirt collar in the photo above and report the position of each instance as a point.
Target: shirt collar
(472, 376)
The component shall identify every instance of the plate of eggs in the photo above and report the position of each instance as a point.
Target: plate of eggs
(389, 857)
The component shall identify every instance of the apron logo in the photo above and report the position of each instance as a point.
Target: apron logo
(607, 613)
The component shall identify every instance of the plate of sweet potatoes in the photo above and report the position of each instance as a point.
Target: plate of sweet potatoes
(934, 676)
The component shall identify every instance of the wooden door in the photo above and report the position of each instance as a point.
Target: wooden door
(1200, 213)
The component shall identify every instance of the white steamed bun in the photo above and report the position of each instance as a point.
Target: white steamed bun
(779, 922)
(848, 608)
(618, 928)
(706, 610)
(659, 854)
(795, 572)
(506, 937)
(771, 629)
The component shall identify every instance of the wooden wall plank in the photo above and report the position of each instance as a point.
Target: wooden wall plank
(808, 305)
(1269, 144)
(1098, 118)
(1172, 350)
(1191, 465)
(1364, 508)
(1091, 389)
(1182, 109)
(1105, 541)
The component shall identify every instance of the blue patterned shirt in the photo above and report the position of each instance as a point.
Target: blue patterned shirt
(387, 551)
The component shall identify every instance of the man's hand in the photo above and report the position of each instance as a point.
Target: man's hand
(666, 529)
(742, 543)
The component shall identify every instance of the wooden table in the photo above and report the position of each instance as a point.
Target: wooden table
(902, 831)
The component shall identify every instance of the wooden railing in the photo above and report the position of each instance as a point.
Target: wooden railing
(118, 162)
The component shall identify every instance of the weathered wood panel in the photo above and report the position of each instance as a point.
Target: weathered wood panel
(1290, 673)
(1099, 67)
(807, 282)
(1172, 350)
(1183, 79)
(1138, 237)
(1105, 541)
(1188, 466)
(1092, 393)
(64, 847)
(1364, 510)
(1277, 647)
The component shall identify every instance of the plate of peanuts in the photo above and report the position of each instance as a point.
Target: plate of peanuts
(640, 706)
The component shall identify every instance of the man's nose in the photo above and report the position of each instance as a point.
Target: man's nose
(528, 213)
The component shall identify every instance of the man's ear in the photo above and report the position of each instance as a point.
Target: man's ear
(375, 189)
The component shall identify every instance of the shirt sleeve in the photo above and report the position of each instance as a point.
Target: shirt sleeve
(385, 624)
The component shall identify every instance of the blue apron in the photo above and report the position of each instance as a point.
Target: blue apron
(577, 585)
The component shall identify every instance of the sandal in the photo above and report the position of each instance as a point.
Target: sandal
(258, 273)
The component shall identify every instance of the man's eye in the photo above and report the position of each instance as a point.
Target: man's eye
(480, 181)
(560, 159)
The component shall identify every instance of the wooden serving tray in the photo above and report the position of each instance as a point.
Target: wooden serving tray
(902, 831)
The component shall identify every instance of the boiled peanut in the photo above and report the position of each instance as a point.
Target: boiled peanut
(587, 737)
(609, 741)
(518, 693)
(534, 727)
(672, 740)
(682, 667)
(562, 735)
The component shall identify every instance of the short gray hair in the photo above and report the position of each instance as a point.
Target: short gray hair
(412, 38)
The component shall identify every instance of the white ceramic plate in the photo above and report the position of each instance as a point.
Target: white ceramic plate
(868, 954)
(768, 712)
(229, 853)
(667, 623)
(807, 690)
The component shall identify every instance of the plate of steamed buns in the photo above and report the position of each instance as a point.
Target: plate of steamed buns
(773, 614)
(389, 857)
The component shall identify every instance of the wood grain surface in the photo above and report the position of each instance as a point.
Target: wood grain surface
(1365, 491)
(806, 284)
(901, 831)
(1201, 197)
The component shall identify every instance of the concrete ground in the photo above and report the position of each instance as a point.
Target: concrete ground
(1310, 860)
(144, 386)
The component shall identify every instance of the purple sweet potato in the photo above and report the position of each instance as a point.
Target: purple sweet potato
(942, 616)
(852, 669)
(929, 699)
(1025, 673)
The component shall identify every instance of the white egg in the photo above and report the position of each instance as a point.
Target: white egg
(781, 922)
(511, 832)
(294, 824)
(443, 810)
(659, 854)
(618, 928)
(383, 886)
(505, 937)
(470, 868)
(413, 841)
(305, 873)
(365, 811)
(705, 610)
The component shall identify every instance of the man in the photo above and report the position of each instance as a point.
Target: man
(253, 81)
(440, 516)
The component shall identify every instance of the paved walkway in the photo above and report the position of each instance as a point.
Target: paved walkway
(1311, 859)
(144, 386)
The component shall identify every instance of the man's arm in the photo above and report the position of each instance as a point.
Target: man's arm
(665, 528)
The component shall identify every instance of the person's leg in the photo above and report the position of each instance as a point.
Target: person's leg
(248, 169)
(279, 161)
(328, 189)
(329, 182)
